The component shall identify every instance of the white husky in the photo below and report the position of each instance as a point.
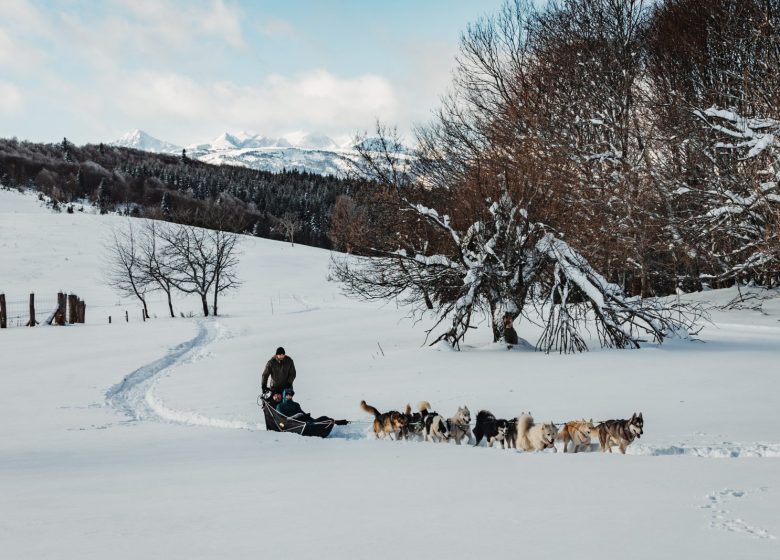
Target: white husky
(535, 437)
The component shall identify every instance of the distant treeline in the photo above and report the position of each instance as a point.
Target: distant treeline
(177, 188)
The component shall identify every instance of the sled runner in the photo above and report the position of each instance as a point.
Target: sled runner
(275, 421)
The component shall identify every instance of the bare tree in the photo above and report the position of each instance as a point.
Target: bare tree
(192, 258)
(200, 260)
(125, 269)
(290, 225)
(156, 259)
(226, 259)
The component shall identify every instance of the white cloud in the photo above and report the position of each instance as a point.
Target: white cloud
(11, 100)
(180, 24)
(276, 28)
(310, 101)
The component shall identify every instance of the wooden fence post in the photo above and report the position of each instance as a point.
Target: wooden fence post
(32, 322)
(109, 319)
(82, 311)
(59, 316)
(3, 313)
(127, 316)
(73, 309)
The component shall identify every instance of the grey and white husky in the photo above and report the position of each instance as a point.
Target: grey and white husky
(459, 426)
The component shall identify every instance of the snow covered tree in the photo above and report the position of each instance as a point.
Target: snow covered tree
(102, 198)
(748, 213)
(506, 265)
(166, 206)
(290, 224)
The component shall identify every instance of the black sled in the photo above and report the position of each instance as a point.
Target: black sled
(275, 421)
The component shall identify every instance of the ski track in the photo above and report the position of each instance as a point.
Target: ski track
(135, 396)
(721, 518)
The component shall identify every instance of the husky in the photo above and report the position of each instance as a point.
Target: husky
(619, 432)
(535, 437)
(459, 425)
(490, 428)
(578, 432)
(415, 420)
(511, 433)
(435, 426)
(391, 423)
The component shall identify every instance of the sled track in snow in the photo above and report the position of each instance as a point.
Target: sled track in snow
(129, 395)
(135, 397)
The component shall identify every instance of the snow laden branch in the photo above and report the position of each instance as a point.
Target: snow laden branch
(500, 266)
(576, 293)
(748, 208)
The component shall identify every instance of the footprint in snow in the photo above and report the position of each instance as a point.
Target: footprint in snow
(720, 516)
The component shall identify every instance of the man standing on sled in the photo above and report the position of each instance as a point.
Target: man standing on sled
(279, 374)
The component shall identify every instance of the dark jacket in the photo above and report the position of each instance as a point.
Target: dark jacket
(282, 374)
(289, 408)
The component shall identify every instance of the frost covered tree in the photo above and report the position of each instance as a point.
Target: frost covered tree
(166, 206)
(531, 167)
(713, 70)
(748, 213)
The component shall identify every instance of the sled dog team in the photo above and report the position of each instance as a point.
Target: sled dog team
(517, 433)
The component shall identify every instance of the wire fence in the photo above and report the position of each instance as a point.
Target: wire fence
(35, 310)
(18, 311)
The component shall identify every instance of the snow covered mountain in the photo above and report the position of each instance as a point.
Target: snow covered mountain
(140, 140)
(312, 152)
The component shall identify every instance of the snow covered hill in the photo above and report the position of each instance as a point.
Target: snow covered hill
(143, 439)
(312, 152)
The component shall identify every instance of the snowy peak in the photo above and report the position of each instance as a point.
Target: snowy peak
(225, 141)
(301, 140)
(140, 140)
(305, 151)
(315, 141)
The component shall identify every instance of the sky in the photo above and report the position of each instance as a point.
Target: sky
(187, 71)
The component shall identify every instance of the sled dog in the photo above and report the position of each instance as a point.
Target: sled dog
(459, 425)
(391, 423)
(511, 433)
(535, 437)
(578, 432)
(436, 429)
(415, 420)
(490, 428)
(619, 432)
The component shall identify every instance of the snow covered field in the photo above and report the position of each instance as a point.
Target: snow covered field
(143, 440)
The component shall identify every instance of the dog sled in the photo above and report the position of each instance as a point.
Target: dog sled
(275, 421)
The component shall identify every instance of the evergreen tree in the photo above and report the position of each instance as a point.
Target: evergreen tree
(166, 205)
(65, 150)
(102, 198)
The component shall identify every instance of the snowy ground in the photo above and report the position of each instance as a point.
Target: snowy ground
(144, 440)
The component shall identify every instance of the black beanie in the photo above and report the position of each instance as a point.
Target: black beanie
(280, 350)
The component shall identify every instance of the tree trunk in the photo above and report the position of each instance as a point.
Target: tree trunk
(170, 303)
(205, 304)
(216, 293)
(3, 313)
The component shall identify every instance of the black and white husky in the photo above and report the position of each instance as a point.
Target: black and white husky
(490, 428)
(435, 427)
